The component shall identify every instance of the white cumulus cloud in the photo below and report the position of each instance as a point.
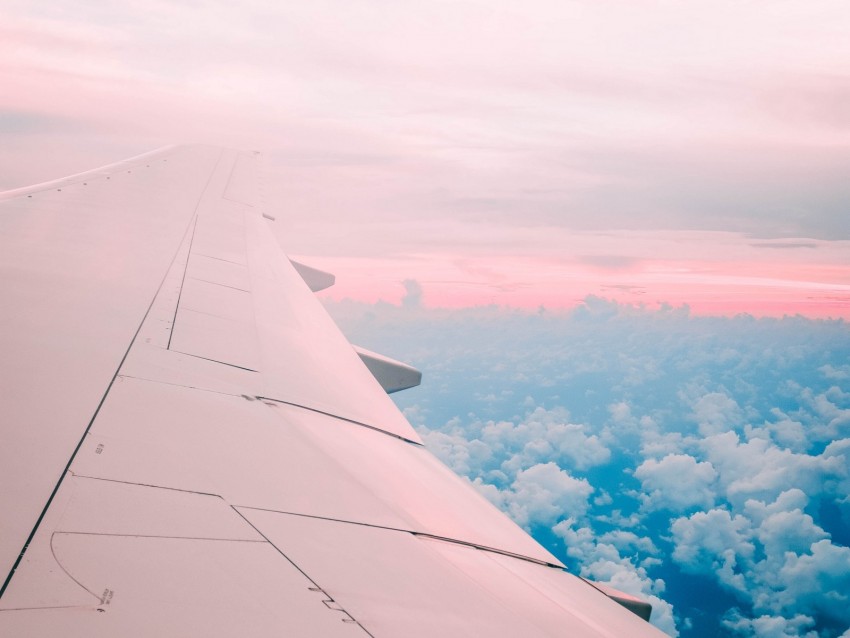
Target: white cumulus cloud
(545, 494)
(676, 482)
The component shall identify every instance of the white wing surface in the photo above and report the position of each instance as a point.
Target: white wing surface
(190, 447)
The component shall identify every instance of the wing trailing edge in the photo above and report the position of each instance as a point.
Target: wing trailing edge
(640, 608)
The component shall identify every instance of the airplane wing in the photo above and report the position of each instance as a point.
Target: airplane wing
(190, 447)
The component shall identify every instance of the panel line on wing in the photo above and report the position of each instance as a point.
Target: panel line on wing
(312, 516)
(217, 283)
(437, 537)
(185, 268)
(224, 363)
(241, 186)
(157, 487)
(318, 588)
(271, 401)
(229, 261)
(62, 567)
(204, 312)
(215, 317)
(266, 400)
(188, 387)
(185, 538)
(5, 609)
(341, 418)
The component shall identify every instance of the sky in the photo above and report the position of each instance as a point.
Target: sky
(522, 153)
(614, 235)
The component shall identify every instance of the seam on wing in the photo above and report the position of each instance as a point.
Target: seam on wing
(62, 567)
(46, 607)
(158, 487)
(341, 418)
(188, 256)
(316, 587)
(266, 400)
(185, 538)
(230, 365)
(188, 387)
(447, 539)
(229, 261)
(233, 167)
(217, 283)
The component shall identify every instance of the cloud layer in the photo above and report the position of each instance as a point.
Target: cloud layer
(701, 463)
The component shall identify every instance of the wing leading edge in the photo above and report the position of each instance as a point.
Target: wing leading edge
(191, 447)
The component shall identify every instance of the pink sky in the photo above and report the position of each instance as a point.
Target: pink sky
(767, 278)
(523, 153)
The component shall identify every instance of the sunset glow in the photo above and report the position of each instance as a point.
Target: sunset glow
(759, 278)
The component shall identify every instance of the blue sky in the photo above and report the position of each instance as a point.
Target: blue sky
(700, 462)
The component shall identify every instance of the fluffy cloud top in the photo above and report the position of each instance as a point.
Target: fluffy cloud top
(677, 482)
(647, 448)
(545, 494)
